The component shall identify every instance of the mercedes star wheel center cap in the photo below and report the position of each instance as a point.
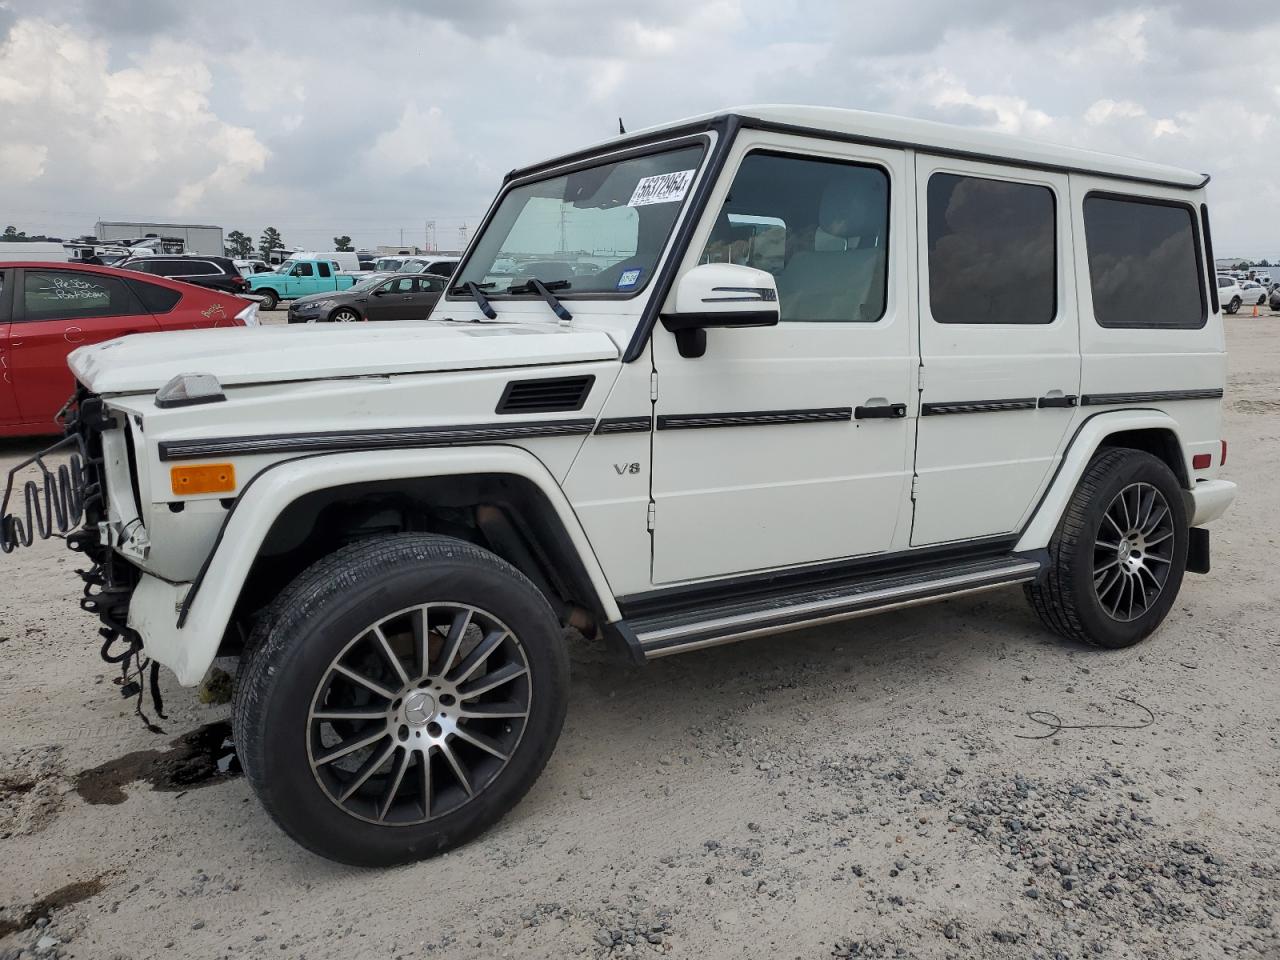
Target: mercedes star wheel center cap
(419, 708)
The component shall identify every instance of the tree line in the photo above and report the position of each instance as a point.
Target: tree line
(241, 244)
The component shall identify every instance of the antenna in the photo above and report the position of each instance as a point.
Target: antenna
(621, 128)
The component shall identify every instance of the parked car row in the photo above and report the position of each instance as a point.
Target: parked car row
(49, 309)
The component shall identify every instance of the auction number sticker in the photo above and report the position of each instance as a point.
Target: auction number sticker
(664, 188)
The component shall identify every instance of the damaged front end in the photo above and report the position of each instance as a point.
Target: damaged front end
(68, 500)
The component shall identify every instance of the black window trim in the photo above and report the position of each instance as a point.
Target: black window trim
(18, 311)
(1196, 242)
(1058, 274)
(1210, 264)
(727, 126)
(784, 153)
(595, 159)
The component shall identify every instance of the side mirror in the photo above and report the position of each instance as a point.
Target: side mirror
(720, 295)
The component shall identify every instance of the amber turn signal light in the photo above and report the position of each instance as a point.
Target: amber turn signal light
(204, 478)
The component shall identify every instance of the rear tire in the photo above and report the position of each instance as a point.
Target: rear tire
(429, 621)
(1234, 305)
(1117, 558)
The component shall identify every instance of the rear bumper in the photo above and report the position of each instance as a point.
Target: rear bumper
(1209, 500)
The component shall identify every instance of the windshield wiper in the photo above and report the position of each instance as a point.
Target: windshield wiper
(473, 290)
(534, 285)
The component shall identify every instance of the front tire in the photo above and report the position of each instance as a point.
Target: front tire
(269, 299)
(1117, 558)
(403, 694)
(345, 315)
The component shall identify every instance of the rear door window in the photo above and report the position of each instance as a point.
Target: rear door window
(323, 269)
(1144, 263)
(70, 295)
(992, 251)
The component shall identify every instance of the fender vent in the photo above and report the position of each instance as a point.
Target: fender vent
(545, 396)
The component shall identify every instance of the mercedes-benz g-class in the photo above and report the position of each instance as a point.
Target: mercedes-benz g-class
(759, 370)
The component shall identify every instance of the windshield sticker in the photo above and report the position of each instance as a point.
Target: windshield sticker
(629, 279)
(664, 188)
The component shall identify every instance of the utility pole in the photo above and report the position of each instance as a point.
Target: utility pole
(564, 234)
(462, 236)
(431, 236)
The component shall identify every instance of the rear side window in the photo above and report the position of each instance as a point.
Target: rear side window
(68, 295)
(1144, 263)
(992, 251)
(196, 268)
(155, 298)
(443, 268)
(323, 268)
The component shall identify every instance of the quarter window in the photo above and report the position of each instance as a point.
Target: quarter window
(1144, 263)
(992, 251)
(67, 295)
(821, 227)
(155, 298)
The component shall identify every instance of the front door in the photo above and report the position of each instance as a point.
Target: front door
(999, 344)
(56, 311)
(790, 444)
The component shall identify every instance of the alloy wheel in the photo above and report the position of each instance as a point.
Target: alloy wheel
(1133, 552)
(419, 714)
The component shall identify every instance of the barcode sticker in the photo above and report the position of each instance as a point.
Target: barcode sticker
(663, 188)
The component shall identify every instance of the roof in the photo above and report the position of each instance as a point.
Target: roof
(945, 138)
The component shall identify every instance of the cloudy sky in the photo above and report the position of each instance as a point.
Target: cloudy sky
(371, 118)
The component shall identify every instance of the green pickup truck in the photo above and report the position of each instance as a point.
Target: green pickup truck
(298, 278)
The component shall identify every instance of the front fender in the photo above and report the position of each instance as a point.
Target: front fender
(1088, 437)
(205, 607)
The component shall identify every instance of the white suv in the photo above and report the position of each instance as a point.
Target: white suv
(836, 363)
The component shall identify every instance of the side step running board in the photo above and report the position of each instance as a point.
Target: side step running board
(659, 635)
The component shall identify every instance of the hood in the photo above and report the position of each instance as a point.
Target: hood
(143, 363)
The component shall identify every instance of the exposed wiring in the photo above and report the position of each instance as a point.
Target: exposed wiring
(1054, 722)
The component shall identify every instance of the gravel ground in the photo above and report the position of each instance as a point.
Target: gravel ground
(862, 790)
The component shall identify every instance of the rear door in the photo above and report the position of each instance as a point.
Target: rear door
(426, 291)
(55, 311)
(8, 398)
(999, 344)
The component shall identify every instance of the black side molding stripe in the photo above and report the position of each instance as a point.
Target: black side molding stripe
(1151, 396)
(752, 418)
(624, 425)
(371, 439)
(977, 406)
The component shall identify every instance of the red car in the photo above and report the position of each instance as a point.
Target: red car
(49, 309)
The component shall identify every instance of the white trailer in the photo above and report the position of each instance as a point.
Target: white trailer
(196, 238)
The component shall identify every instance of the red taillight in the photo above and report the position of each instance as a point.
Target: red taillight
(242, 283)
(1223, 461)
(1202, 461)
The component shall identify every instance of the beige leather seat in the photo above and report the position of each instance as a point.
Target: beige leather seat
(847, 284)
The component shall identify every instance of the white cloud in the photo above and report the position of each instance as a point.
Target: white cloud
(22, 162)
(144, 130)
(420, 138)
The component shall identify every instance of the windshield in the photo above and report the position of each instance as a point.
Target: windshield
(598, 230)
(285, 267)
(388, 264)
(368, 283)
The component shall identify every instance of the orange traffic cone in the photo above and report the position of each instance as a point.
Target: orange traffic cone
(1255, 309)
